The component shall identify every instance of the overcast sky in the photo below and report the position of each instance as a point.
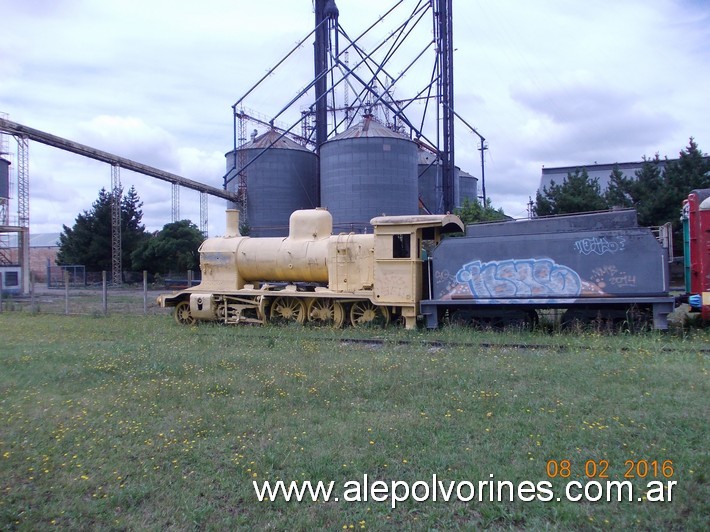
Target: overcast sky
(550, 82)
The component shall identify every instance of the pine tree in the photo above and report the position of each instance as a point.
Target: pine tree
(658, 190)
(133, 232)
(88, 242)
(617, 193)
(577, 193)
(691, 171)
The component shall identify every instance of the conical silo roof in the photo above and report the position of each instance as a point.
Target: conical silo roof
(271, 139)
(369, 127)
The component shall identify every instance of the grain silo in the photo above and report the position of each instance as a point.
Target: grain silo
(468, 188)
(431, 183)
(282, 178)
(367, 171)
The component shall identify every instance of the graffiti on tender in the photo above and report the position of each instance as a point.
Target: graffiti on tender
(600, 246)
(518, 278)
(610, 276)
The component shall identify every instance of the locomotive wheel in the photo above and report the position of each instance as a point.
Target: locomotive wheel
(366, 313)
(288, 309)
(326, 312)
(182, 313)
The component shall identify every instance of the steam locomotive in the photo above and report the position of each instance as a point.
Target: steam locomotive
(591, 267)
(313, 275)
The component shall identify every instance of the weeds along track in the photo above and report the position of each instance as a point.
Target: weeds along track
(131, 302)
(482, 344)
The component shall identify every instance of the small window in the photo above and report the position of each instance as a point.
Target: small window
(401, 246)
(12, 279)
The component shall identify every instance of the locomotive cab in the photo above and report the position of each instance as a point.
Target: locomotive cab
(398, 258)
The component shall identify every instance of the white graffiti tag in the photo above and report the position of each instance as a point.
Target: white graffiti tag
(600, 246)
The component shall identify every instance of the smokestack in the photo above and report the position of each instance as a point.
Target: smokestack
(232, 223)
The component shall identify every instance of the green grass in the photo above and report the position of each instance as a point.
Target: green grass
(132, 422)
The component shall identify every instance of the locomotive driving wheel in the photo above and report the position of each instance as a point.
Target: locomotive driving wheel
(369, 314)
(182, 313)
(288, 310)
(326, 312)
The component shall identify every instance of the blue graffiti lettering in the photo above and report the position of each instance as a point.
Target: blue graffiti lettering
(519, 278)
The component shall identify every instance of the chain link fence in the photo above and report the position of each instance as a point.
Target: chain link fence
(73, 291)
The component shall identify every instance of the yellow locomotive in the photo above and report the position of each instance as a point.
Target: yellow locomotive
(313, 275)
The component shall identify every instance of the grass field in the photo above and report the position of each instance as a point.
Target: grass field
(132, 422)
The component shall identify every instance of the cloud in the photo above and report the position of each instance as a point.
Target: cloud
(583, 119)
(132, 138)
(546, 83)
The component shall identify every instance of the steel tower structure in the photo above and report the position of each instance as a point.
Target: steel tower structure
(342, 62)
(445, 48)
(326, 27)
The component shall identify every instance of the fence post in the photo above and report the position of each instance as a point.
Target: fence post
(104, 294)
(145, 292)
(33, 303)
(1, 289)
(189, 278)
(66, 292)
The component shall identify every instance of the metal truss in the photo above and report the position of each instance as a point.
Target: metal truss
(203, 214)
(116, 192)
(176, 202)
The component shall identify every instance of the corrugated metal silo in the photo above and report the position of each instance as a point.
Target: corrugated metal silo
(282, 179)
(468, 187)
(431, 185)
(366, 171)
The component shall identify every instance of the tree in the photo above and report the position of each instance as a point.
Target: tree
(133, 233)
(577, 193)
(473, 211)
(658, 190)
(647, 192)
(691, 171)
(617, 192)
(88, 242)
(174, 248)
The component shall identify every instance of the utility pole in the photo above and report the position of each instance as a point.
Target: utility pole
(482, 149)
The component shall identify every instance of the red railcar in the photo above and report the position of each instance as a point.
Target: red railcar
(696, 231)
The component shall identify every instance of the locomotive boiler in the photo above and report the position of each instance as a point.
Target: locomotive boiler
(598, 266)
